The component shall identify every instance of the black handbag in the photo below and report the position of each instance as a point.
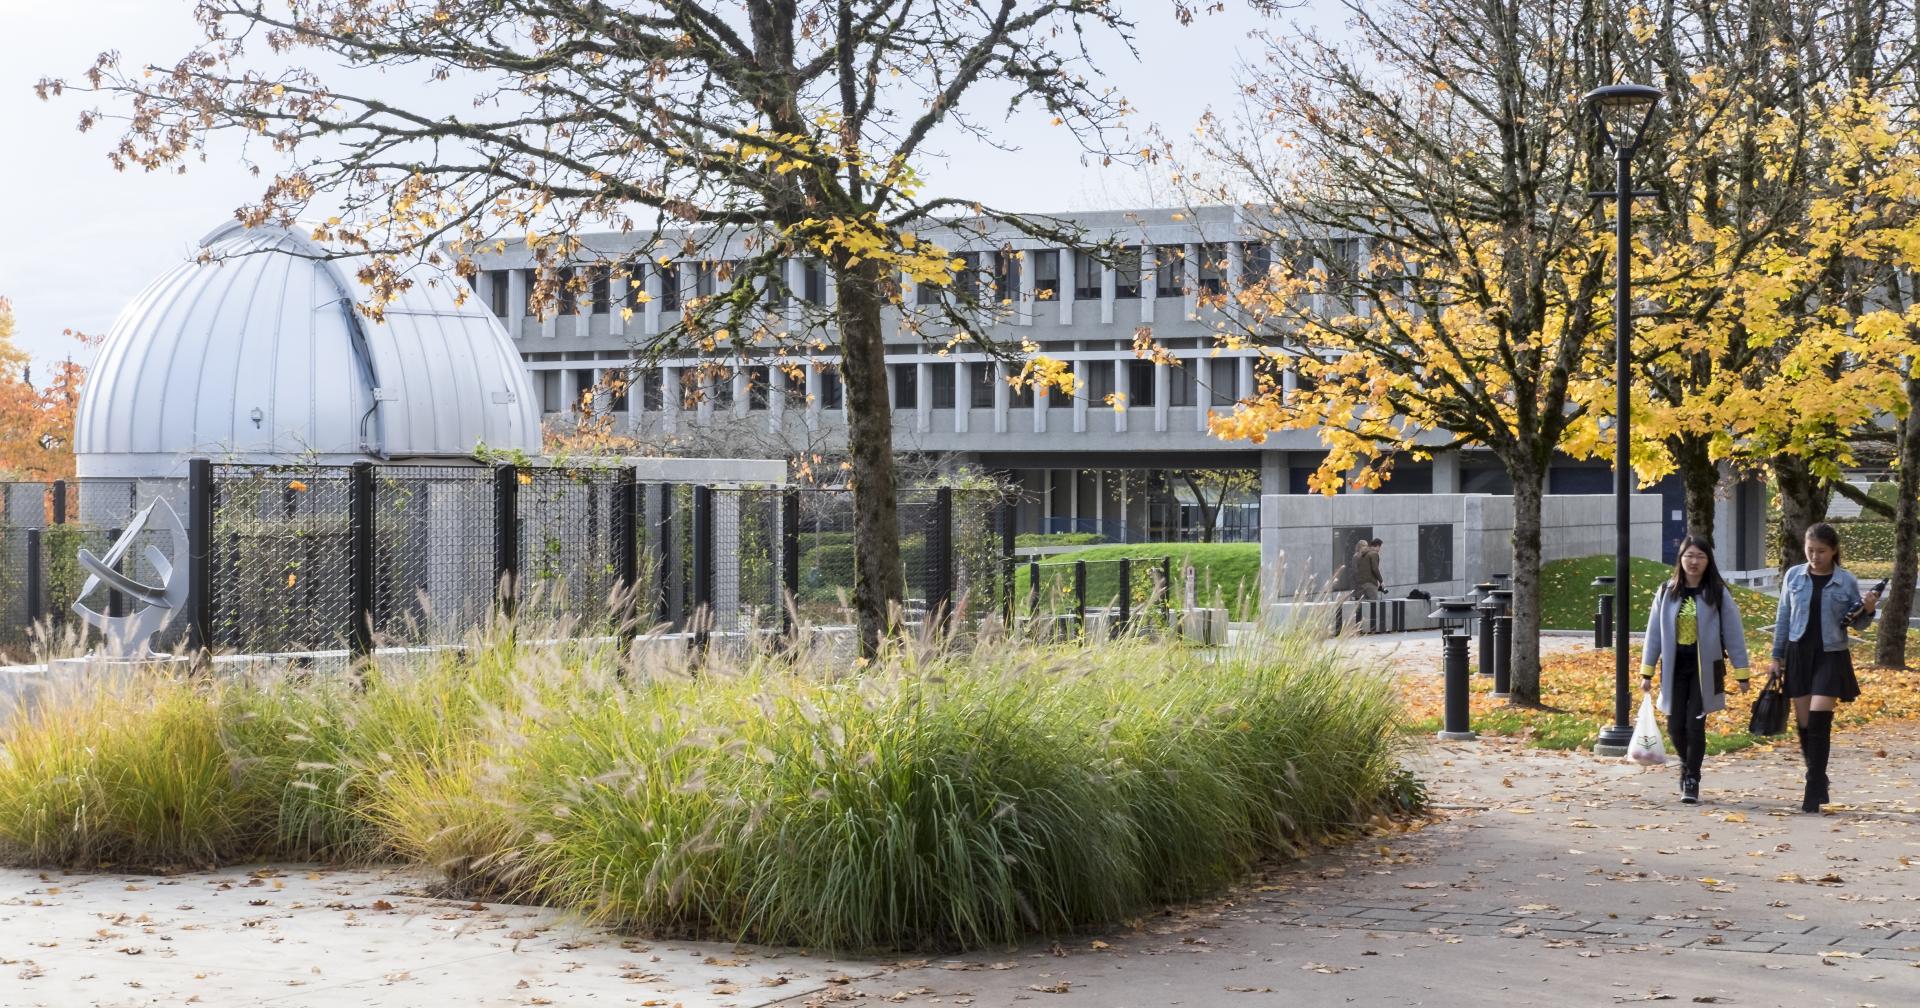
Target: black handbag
(1769, 708)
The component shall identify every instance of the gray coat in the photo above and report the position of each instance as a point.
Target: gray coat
(1720, 631)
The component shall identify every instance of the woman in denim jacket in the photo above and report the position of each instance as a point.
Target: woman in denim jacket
(1693, 633)
(1819, 599)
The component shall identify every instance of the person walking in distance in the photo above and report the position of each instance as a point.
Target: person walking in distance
(1693, 633)
(1819, 599)
(1357, 582)
(1376, 582)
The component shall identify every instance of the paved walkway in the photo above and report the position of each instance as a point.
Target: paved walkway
(1548, 879)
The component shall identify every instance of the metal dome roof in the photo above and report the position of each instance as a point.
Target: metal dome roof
(259, 355)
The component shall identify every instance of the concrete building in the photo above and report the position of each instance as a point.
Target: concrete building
(1082, 464)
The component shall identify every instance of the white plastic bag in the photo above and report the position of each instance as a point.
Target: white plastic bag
(1646, 749)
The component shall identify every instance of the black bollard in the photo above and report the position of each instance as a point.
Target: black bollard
(1502, 656)
(1488, 608)
(1457, 726)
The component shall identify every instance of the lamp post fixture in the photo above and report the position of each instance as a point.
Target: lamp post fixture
(1623, 112)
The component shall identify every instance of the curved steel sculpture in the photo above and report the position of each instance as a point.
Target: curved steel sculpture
(128, 637)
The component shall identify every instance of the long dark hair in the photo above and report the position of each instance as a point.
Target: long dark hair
(1712, 585)
(1826, 534)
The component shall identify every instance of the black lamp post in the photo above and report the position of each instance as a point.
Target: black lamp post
(1623, 112)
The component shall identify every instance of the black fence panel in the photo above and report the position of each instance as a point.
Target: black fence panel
(433, 552)
(280, 559)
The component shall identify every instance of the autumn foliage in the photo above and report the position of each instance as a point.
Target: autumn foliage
(36, 422)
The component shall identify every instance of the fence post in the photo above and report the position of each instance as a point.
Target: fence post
(667, 608)
(506, 536)
(59, 502)
(200, 559)
(940, 551)
(789, 557)
(1009, 541)
(360, 562)
(702, 565)
(1033, 589)
(624, 520)
(1122, 624)
(1080, 597)
(36, 577)
(1166, 592)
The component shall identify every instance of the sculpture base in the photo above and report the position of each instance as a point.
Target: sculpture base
(23, 693)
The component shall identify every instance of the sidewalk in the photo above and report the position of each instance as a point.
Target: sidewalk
(1550, 880)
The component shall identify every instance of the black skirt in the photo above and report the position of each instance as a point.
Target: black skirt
(1812, 671)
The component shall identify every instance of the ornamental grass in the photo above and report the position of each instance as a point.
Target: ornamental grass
(939, 797)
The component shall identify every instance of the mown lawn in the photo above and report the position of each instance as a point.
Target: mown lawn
(1226, 574)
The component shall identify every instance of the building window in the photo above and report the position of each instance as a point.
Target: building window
(1180, 382)
(1087, 273)
(941, 375)
(497, 293)
(597, 290)
(635, 276)
(669, 286)
(616, 380)
(1126, 267)
(651, 399)
(1224, 378)
(795, 390)
(830, 393)
(906, 386)
(585, 381)
(1139, 383)
(813, 282)
(983, 375)
(966, 282)
(1170, 271)
(1057, 399)
(529, 278)
(720, 387)
(1213, 270)
(550, 394)
(1256, 258)
(1006, 275)
(1046, 273)
(1020, 396)
(706, 279)
(1099, 375)
(757, 387)
(567, 298)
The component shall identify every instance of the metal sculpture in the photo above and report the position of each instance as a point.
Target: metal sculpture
(128, 637)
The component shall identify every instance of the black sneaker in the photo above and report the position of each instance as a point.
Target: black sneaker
(1689, 790)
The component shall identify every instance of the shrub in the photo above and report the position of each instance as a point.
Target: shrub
(943, 798)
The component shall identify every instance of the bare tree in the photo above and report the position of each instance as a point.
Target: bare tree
(781, 129)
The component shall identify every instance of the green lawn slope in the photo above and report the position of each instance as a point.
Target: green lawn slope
(1566, 589)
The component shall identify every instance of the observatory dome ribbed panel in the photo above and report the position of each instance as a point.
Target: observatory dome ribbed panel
(260, 354)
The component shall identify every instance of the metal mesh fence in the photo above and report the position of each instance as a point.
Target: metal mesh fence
(279, 559)
(433, 544)
(566, 536)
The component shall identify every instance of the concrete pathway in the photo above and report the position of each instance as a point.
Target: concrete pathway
(1545, 879)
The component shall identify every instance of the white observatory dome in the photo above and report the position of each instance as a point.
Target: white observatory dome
(260, 356)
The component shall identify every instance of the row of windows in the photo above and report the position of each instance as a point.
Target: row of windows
(1215, 381)
(983, 275)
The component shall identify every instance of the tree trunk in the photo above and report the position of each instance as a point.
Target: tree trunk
(1200, 499)
(1803, 502)
(1529, 483)
(1700, 476)
(878, 582)
(1890, 647)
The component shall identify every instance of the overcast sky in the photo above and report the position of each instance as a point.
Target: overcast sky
(81, 239)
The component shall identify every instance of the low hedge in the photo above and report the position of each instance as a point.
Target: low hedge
(940, 799)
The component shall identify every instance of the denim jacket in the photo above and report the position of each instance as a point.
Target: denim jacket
(1796, 597)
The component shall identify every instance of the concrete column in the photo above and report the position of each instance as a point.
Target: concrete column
(922, 397)
(1121, 386)
(1073, 498)
(483, 289)
(1289, 382)
(516, 302)
(1041, 405)
(813, 394)
(1046, 500)
(1234, 252)
(1066, 286)
(670, 399)
(1202, 390)
(1002, 397)
(796, 274)
(1446, 472)
(1243, 380)
(703, 412)
(1100, 499)
(962, 395)
(1149, 281)
(1082, 388)
(650, 318)
(1109, 287)
(1162, 393)
(740, 394)
(776, 396)
(1276, 582)
(616, 306)
(1023, 295)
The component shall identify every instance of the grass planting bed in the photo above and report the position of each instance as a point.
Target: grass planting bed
(932, 799)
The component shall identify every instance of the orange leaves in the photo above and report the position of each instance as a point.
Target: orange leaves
(36, 422)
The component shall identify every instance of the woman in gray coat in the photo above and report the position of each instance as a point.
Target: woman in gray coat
(1693, 630)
